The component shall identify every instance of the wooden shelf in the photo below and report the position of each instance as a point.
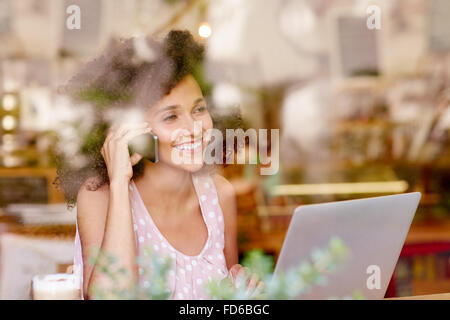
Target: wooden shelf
(427, 233)
(54, 195)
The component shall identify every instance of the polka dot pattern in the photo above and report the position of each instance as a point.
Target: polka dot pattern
(188, 275)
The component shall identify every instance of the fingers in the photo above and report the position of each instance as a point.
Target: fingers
(111, 132)
(135, 158)
(259, 287)
(241, 277)
(258, 290)
(241, 280)
(119, 131)
(127, 127)
(253, 282)
(254, 286)
(124, 134)
(131, 133)
(238, 275)
(234, 270)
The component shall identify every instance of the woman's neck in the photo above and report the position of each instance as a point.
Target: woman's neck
(166, 181)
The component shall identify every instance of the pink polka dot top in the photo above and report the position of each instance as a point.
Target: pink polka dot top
(188, 275)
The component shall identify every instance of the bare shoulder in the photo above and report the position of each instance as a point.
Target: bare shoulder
(227, 199)
(91, 198)
(225, 189)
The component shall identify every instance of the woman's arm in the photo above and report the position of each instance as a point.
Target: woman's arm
(227, 201)
(111, 229)
(238, 274)
(105, 223)
(92, 209)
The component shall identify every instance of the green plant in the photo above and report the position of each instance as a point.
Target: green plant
(258, 262)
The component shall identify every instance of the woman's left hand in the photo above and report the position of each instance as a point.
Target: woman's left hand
(240, 276)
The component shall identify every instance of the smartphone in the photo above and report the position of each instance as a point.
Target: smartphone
(146, 145)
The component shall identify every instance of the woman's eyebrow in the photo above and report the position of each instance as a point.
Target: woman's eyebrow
(171, 107)
(198, 100)
(175, 106)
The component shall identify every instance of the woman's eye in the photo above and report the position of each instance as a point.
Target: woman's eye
(200, 109)
(170, 117)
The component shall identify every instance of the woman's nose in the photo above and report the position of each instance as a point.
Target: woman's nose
(194, 127)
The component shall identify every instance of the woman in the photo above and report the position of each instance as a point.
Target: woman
(181, 210)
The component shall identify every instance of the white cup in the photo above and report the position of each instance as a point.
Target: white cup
(61, 286)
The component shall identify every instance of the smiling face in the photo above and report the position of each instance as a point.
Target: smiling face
(172, 120)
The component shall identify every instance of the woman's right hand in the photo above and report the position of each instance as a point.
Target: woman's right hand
(115, 150)
(240, 276)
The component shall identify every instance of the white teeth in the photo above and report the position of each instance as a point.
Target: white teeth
(189, 146)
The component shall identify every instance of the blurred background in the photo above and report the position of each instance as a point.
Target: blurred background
(362, 104)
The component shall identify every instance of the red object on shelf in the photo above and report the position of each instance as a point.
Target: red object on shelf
(410, 250)
(415, 249)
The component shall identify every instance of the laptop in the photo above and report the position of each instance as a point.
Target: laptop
(372, 229)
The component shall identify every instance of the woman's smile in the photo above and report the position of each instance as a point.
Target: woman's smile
(190, 146)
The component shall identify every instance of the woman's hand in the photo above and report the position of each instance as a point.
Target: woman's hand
(115, 150)
(241, 276)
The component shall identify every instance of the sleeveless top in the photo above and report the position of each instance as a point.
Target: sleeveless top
(188, 275)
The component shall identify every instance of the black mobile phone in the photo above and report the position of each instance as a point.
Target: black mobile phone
(146, 145)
